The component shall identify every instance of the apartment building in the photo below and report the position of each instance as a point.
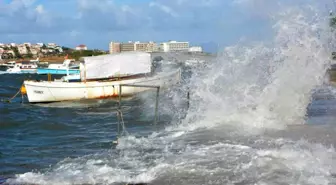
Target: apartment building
(114, 47)
(22, 49)
(171, 46)
(81, 47)
(174, 46)
(145, 46)
(129, 46)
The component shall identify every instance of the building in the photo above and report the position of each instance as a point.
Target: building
(1, 52)
(173, 46)
(7, 54)
(196, 49)
(145, 46)
(130, 46)
(22, 49)
(27, 44)
(34, 51)
(114, 47)
(51, 45)
(59, 49)
(81, 47)
(44, 51)
(36, 46)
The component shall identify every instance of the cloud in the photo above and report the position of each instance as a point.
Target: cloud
(96, 22)
(164, 8)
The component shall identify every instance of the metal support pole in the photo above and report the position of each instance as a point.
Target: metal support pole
(188, 99)
(120, 87)
(157, 105)
(118, 116)
(121, 125)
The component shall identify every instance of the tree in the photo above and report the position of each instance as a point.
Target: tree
(16, 52)
(29, 55)
(78, 54)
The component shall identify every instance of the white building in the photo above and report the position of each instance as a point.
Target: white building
(114, 47)
(196, 49)
(60, 49)
(51, 45)
(40, 44)
(81, 47)
(44, 51)
(27, 44)
(34, 51)
(13, 44)
(22, 49)
(1, 52)
(172, 46)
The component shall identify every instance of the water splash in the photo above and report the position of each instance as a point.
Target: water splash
(266, 85)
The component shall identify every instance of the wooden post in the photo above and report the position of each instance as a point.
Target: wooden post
(49, 77)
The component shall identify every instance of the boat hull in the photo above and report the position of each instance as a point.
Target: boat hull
(54, 91)
(42, 71)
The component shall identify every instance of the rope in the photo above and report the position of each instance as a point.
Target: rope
(10, 99)
(122, 124)
(124, 131)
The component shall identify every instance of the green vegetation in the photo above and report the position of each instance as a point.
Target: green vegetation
(29, 55)
(16, 52)
(78, 54)
(67, 50)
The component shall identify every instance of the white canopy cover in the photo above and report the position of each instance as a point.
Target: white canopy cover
(113, 65)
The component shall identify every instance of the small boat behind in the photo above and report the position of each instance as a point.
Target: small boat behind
(67, 67)
(7, 65)
(24, 67)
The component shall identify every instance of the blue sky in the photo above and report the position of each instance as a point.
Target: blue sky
(96, 22)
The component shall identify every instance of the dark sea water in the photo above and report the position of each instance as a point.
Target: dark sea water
(34, 137)
(42, 138)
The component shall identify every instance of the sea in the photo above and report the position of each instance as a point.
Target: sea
(259, 113)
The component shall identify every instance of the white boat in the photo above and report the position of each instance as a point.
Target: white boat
(133, 68)
(7, 65)
(25, 67)
(37, 60)
(68, 66)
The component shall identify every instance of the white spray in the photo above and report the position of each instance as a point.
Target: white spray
(266, 86)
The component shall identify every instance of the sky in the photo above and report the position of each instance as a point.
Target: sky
(97, 22)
